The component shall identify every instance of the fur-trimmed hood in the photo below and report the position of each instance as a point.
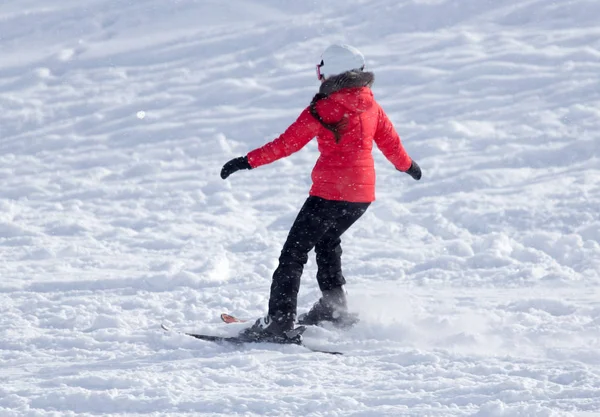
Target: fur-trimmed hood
(348, 79)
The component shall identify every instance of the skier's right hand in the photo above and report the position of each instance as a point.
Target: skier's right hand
(235, 165)
(414, 171)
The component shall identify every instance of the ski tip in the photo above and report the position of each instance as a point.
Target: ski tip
(228, 318)
(165, 328)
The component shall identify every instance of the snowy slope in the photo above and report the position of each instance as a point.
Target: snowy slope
(477, 286)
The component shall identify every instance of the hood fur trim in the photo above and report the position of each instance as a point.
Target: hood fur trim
(348, 79)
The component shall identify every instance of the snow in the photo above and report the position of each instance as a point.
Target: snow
(477, 286)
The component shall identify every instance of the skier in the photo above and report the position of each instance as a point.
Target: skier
(346, 120)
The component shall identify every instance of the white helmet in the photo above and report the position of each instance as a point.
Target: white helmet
(337, 59)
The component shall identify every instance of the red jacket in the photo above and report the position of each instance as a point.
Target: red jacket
(345, 171)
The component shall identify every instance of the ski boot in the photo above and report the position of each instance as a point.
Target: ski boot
(332, 307)
(278, 328)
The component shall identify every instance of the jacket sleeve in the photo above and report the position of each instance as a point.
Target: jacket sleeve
(388, 141)
(302, 131)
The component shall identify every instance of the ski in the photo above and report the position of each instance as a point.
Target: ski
(234, 340)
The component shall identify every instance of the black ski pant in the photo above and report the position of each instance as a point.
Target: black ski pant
(319, 225)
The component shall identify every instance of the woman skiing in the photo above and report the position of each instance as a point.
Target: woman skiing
(346, 120)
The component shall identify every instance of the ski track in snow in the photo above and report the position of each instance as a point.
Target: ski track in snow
(477, 287)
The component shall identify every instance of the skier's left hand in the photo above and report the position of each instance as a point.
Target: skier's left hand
(235, 165)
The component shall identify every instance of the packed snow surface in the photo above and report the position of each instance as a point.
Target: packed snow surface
(478, 287)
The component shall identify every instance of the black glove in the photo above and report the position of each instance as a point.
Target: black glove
(414, 171)
(235, 165)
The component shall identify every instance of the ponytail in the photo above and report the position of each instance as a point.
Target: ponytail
(334, 128)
